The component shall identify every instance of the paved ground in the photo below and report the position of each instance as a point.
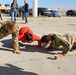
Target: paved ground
(38, 61)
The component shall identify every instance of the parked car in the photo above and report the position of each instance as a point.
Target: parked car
(55, 13)
(71, 13)
(41, 11)
(47, 13)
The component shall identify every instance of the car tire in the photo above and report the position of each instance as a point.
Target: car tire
(74, 15)
(67, 15)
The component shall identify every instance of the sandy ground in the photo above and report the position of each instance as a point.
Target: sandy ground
(38, 61)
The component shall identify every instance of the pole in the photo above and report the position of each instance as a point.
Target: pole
(35, 8)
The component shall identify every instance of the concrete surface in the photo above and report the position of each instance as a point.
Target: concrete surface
(38, 61)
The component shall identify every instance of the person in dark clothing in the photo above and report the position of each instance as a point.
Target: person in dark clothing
(26, 11)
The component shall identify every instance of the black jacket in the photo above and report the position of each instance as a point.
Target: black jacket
(26, 7)
(12, 6)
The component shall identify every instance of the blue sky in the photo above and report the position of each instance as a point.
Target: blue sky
(62, 4)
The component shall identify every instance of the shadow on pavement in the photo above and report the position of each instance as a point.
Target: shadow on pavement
(7, 46)
(13, 70)
(52, 58)
(34, 48)
(7, 43)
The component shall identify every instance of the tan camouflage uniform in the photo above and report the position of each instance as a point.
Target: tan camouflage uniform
(67, 41)
(4, 33)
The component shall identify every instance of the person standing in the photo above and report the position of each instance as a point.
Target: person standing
(14, 7)
(26, 11)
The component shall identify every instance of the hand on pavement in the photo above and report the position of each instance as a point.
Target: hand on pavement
(17, 51)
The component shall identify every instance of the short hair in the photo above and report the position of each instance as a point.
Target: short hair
(28, 37)
(47, 38)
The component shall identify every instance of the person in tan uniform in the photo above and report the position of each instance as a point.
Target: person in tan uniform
(66, 42)
(10, 27)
